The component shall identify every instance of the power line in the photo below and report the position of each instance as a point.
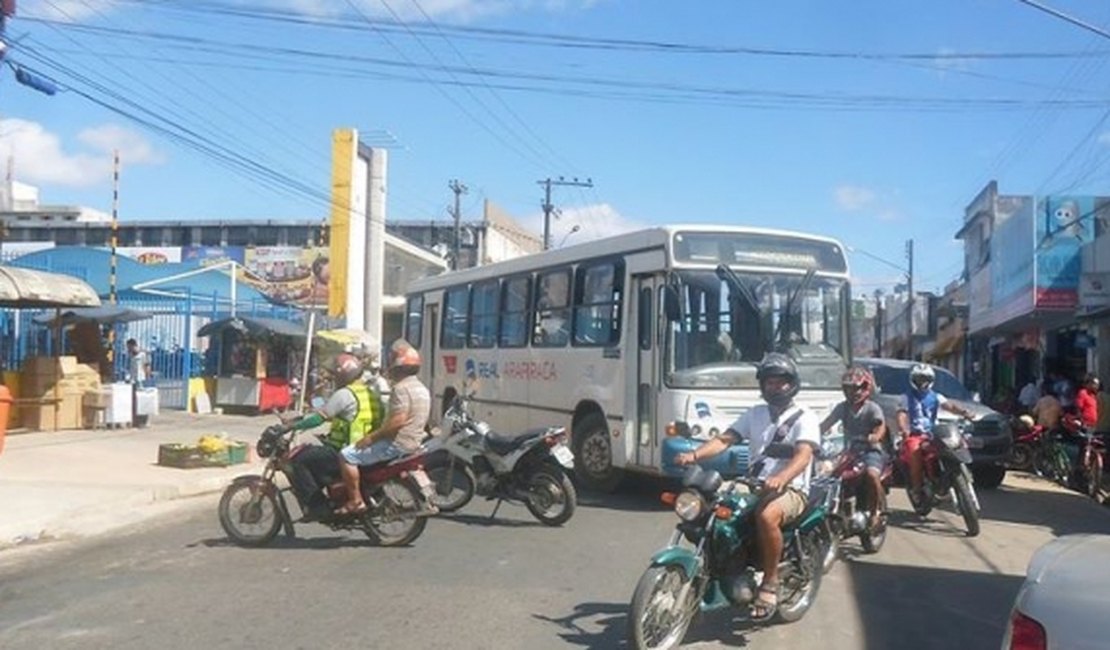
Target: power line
(1065, 17)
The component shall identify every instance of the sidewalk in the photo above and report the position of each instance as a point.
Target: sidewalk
(77, 483)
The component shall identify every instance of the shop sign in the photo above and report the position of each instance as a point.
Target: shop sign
(1094, 290)
(1063, 226)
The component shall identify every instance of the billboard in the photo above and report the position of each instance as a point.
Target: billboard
(1012, 259)
(152, 254)
(211, 255)
(1063, 226)
(289, 274)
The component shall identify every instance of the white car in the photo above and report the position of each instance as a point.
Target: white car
(1065, 599)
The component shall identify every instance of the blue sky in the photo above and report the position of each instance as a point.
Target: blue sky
(871, 121)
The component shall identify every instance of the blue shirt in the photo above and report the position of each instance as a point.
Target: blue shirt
(922, 410)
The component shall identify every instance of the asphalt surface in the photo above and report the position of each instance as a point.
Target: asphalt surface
(470, 582)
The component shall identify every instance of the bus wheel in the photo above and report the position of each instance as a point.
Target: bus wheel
(593, 455)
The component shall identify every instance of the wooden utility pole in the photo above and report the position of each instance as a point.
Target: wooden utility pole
(548, 208)
(909, 310)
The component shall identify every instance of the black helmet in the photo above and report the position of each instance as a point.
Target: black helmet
(777, 364)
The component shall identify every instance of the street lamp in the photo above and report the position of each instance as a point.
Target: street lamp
(573, 230)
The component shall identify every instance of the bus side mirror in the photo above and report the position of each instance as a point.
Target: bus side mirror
(670, 304)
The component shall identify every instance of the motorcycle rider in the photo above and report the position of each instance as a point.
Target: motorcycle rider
(353, 410)
(916, 418)
(786, 481)
(402, 433)
(864, 430)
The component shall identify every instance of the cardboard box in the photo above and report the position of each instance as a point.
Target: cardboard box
(42, 416)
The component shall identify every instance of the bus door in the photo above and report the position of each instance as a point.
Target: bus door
(431, 360)
(645, 349)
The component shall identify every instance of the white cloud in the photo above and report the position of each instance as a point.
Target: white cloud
(461, 10)
(65, 10)
(853, 198)
(40, 157)
(946, 62)
(592, 222)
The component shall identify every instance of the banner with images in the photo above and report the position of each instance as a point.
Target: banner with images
(1063, 226)
(211, 255)
(289, 274)
(152, 254)
(1011, 262)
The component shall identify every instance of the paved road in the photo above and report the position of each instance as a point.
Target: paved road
(510, 583)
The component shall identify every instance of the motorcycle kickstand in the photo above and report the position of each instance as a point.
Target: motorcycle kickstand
(497, 507)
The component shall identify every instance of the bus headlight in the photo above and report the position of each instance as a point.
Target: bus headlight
(689, 506)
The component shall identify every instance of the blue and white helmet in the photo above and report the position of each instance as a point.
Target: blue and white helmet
(922, 377)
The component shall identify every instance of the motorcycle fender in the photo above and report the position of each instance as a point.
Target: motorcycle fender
(286, 518)
(677, 556)
(963, 455)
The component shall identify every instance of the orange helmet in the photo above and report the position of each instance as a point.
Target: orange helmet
(858, 384)
(401, 353)
(347, 369)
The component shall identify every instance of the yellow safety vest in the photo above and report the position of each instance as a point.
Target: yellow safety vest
(368, 417)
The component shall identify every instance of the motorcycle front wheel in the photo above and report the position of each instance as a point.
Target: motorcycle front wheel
(394, 522)
(1092, 475)
(966, 503)
(249, 513)
(658, 621)
(801, 583)
(551, 496)
(831, 534)
(454, 482)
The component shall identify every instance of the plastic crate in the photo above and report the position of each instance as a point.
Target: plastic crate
(190, 457)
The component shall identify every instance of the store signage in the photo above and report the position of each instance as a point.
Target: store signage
(1094, 290)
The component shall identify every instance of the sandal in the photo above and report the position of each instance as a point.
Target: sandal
(765, 605)
(356, 509)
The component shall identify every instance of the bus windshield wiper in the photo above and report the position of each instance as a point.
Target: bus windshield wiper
(788, 311)
(734, 282)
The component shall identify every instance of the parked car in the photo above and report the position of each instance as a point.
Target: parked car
(1062, 603)
(991, 437)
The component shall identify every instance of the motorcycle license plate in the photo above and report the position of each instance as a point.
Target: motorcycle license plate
(563, 455)
(975, 443)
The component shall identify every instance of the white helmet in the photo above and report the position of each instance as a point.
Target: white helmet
(922, 377)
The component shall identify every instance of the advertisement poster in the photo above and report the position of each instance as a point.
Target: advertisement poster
(1063, 226)
(152, 254)
(289, 274)
(210, 255)
(1012, 257)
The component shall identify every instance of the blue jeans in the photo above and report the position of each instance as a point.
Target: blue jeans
(379, 452)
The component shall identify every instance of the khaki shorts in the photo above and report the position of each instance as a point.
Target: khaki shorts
(792, 502)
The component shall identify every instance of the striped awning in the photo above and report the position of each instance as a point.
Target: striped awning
(25, 288)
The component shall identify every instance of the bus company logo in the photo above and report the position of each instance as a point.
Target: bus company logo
(481, 369)
(702, 410)
(538, 370)
(450, 363)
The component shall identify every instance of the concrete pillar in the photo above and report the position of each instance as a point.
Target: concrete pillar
(378, 162)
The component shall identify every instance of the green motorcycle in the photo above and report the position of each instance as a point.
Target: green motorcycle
(710, 562)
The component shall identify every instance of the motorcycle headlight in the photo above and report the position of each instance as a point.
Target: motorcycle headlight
(689, 506)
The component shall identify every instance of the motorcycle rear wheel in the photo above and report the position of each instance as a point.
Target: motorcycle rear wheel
(455, 484)
(395, 522)
(966, 503)
(249, 513)
(1021, 457)
(551, 496)
(1092, 475)
(657, 621)
(873, 539)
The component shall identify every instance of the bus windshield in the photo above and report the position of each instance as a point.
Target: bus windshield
(730, 320)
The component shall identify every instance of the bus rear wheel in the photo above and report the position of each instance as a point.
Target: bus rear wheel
(593, 455)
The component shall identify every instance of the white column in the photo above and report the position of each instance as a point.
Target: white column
(378, 163)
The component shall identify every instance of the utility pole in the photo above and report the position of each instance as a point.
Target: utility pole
(459, 189)
(909, 310)
(879, 323)
(548, 208)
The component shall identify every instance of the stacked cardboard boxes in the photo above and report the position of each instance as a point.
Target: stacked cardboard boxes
(53, 389)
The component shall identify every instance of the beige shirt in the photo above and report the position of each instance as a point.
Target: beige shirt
(1048, 411)
(412, 398)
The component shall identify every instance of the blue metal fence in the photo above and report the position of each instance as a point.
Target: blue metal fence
(174, 351)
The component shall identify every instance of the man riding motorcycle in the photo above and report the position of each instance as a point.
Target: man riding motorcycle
(354, 409)
(864, 431)
(916, 418)
(786, 481)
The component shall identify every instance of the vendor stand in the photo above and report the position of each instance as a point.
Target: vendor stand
(257, 356)
(27, 289)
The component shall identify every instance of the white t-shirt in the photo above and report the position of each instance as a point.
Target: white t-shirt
(756, 427)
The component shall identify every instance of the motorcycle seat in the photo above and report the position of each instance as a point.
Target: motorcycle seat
(816, 499)
(503, 444)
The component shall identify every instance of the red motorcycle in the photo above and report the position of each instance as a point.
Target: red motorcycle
(851, 517)
(947, 473)
(253, 508)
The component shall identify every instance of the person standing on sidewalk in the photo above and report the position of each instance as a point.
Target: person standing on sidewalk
(138, 372)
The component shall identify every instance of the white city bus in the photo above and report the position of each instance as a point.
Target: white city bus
(628, 339)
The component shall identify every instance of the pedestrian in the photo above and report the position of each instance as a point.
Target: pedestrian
(138, 371)
(1029, 394)
(1086, 401)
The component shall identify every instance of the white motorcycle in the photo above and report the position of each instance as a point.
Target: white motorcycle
(529, 467)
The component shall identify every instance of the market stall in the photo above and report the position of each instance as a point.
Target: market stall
(257, 357)
(27, 289)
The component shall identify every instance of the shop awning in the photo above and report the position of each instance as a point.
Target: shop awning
(945, 347)
(28, 289)
(255, 327)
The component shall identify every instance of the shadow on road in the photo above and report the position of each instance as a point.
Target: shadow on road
(611, 617)
(485, 521)
(282, 542)
(927, 608)
(635, 494)
(1063, 512)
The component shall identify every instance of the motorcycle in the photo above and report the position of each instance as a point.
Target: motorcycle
(1036, 449)
(710, 562)
(848, 484)
(1086, 474)
(530, 467)
(253, 508)
(947, 474)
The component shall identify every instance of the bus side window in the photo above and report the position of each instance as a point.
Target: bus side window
(514, 312)
(483, 314)
(597, 304)
(454, 318)
(414, 321)
(552, 322)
